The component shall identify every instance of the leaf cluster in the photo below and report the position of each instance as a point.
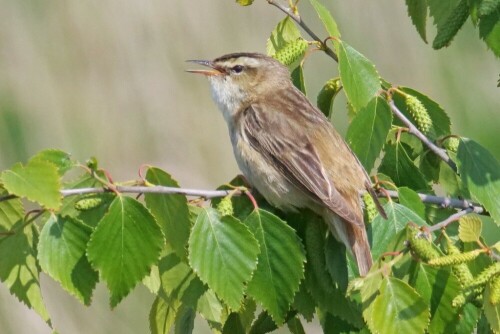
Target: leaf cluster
(248, 269)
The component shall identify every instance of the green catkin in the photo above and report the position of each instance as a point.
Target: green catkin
(451, 144)
(461, 271)
(454, 259)
(420, 246)
(291, 52)
(495, 290)
(485, 276)
(419, 113)
(225, 207)
(88, 203)
(370, 207)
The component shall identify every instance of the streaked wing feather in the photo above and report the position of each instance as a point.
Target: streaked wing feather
(296, 158)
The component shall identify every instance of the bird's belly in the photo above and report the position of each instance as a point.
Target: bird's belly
(275, 188)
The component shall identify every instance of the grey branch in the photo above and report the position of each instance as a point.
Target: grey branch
(444, 202)
(288, 11)
(441, 153)
(151, 190)
(453, 218)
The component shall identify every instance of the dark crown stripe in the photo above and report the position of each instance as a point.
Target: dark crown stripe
(240, 54)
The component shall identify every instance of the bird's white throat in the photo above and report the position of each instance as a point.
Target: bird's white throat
(227, 95)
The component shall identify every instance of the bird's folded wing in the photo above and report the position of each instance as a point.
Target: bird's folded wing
(291, 152)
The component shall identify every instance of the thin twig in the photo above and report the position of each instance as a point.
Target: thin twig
(151, 190)
(453, 218)
(441, 153)
(296, 17)
(444, 202)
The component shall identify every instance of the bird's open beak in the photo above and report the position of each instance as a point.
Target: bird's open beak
(209, 72)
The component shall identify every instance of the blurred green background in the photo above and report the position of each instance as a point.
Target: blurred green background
(106, 78)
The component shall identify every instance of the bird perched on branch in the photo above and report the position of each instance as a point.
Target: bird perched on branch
(287, 149)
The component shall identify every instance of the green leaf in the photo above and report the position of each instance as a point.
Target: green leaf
(61, 253)
(180, 292)
(38, 181)
(368, 131)
(327, 296)
(489, 31)
(467, 321)
(399, 309)
(437, 287)
(298, 79)
(60, 159)
(469, 229)
(263, 324)
(280, 265)
(336, 262)
(441, 124)
(170, 211)
(417, 11)
(326, 18)
(295, 326)
(450, 181)
(383, 231)
(284, 33)
(410, 199)
(210, 308)
(233, 325)
(333, 325)
(359, 77)
(480, 173)
(453, 23)
(492, 312)
(369, 290)
(327, 95)
(161, 316)
(11, 211)
(124, 246)
(304, 302)
(184, 321)
(19, 269)
(400, 167)
(223, 245)
(486, 7)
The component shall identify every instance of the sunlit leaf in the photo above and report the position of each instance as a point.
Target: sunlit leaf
(19, 269)
(280, 264)
(469, 229)
(359, 77)
(368, 131)
(399, 309)
(480, 172)
(60, 159)
(326, 18)
(398, 164)
(383, 231)
(438, 287)
(223, 245)
(61, 252)
(38, 181)
(284, 33)
(171, 211)
(411, 200)
(124, 246)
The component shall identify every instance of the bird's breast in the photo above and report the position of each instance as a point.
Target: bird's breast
(270, 183)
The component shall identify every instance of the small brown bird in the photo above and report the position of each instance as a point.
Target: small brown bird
(287, 149)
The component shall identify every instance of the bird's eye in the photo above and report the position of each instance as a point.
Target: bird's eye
(237, 69)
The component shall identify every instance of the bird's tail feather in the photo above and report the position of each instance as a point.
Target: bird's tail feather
(355, 239)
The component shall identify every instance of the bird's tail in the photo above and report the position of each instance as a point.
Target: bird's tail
(354, 238)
